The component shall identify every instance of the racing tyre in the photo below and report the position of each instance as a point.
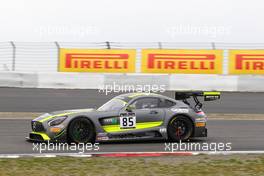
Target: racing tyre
(180, 128)
(81, 130)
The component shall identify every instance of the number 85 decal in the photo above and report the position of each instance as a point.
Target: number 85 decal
(128, 120)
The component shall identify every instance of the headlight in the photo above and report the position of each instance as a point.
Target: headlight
(57, 121)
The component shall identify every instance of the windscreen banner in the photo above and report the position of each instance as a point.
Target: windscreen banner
(182, 61)
(97, 60)
(246, 61)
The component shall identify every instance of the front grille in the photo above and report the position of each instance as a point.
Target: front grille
(35, 137)
(37, 126)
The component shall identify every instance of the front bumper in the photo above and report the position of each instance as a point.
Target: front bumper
(44, 137)
(38, 137)
(42, 132)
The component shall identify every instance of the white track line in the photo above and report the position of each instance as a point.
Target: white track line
(45, 156)
(98, 154)
(10, 156)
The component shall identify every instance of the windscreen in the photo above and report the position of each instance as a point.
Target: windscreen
(113, 104)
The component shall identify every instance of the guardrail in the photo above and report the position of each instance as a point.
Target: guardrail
(35, 65)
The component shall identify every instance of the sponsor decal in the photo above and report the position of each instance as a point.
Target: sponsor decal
(110, 121)
(102, 137)
(182, 61)
(180, 110)
(163, 130)
(95, 60)
(246, 61)
(211, 97)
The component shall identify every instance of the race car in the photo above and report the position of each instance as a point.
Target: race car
(131, 116)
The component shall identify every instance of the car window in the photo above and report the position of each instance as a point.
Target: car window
(166, 103)
(145, 103)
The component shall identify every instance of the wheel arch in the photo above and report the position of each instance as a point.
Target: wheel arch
(74, 118)
(183, 115)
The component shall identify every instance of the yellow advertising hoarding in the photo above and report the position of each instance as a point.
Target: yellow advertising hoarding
(97, 60)
(246, 61)
(182, 61)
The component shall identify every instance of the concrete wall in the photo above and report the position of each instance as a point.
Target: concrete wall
(95, 81)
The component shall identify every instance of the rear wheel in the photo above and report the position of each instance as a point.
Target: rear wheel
(81, 130)
(180, 128)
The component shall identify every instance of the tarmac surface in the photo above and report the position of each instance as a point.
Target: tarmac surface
(244, 135)
(46, 100)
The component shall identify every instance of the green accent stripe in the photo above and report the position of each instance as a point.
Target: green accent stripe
(143, 125)
(43, 135)
(60, 134)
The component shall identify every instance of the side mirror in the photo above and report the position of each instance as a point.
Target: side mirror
(130, 108)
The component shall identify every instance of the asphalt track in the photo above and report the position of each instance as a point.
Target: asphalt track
(46, 100)
(245, 135)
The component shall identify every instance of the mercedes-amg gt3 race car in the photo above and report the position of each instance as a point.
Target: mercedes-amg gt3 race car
(132, 116)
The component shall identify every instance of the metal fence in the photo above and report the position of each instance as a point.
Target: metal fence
(43, 56)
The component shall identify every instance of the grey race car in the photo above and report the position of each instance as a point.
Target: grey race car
(129, 116)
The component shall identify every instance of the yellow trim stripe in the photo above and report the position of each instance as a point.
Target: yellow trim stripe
(143, 125)
(138, 94)
(43, 135)
(211, 93)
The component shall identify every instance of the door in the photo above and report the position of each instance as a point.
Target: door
(146, 113)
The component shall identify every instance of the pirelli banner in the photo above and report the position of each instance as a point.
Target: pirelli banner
(97, 60)
(182, 61)
(246, 61)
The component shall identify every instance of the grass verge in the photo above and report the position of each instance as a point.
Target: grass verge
(203, 165)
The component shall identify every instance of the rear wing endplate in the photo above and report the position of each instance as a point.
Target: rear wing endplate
(208, 96)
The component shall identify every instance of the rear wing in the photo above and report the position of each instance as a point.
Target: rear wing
(208, 96)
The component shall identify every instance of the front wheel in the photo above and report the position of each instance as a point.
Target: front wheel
(180, 128)
(81, 130)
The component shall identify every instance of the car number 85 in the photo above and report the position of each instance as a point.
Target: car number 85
(128, 121)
